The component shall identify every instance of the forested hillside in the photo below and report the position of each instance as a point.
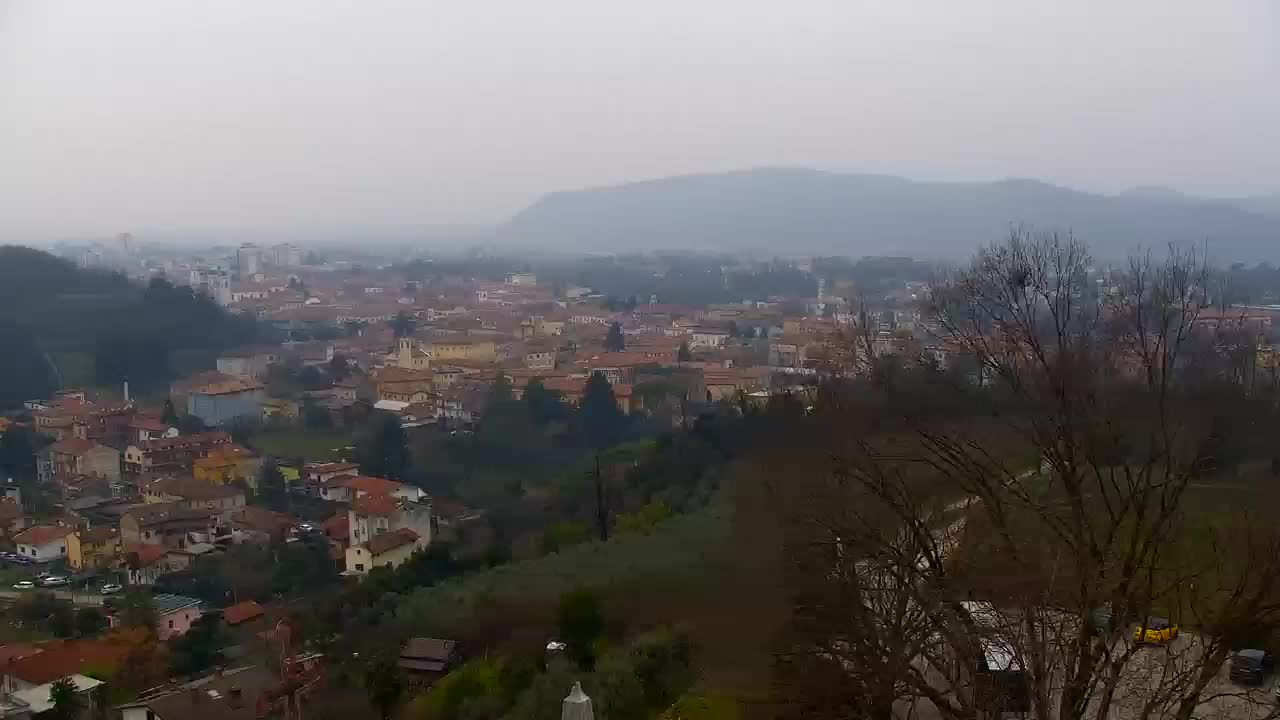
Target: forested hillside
(60, 325)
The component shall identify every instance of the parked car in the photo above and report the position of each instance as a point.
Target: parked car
(1158, 631)
(111, 589)
(24, 585)
(54, 581)
(1249, 666)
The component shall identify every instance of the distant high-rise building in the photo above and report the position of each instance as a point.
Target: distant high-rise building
(286, 255)
(248, 260)
(125, 241)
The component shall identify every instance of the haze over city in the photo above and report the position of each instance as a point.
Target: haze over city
(229, 119)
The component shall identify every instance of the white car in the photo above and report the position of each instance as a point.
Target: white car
(111, 589)
(54, 581)
(24, 585)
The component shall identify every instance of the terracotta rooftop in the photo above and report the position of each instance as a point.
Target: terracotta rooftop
(389, 541)
(375, 504)
(73, 446)
(369, 484)
(42, 534)
(65, 657)
(242, 612)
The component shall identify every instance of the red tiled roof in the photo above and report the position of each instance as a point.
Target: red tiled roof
(374, 504)
(9, 510)
(147, 554)
(337, 527)
(42, 534)
(14, 651)
(73, 446)
(61, 658)
(147, 423)
(389, 541)
(368, 484)
(242, 612)
(256, 518)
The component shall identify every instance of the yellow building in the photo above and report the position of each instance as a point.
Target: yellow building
(95, 549)
(226, 465)
(464, 349)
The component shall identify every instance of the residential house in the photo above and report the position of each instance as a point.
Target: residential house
(171, 455)
(402, 385)
(143, 563)
(227, 464)
(390, 549)
(707, 338)
(43, 543)
(191, 494)
(242, 613)
(89, 691)
(385, 531)
(425, 660)
(144, 428)
(75, 456)
(348, 488)
(223, 402)
(93, 549)
(58, 659)
(166, 524)
(260, 525)
(789, 350)
(316, 475)
(175, 614)
(248, 363)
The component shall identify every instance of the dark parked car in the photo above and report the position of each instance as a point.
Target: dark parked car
(1250, 666)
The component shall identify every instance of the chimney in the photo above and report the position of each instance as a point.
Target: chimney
(126, 392)
(235, 697)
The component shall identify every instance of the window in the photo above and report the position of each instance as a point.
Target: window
(170, 624)
(359, 567)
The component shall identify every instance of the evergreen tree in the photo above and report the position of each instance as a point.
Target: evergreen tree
(272, 490)
(614, 341)
(599, 415)
(581, 625)
(169, 416)
(501, 391)
(683, 354)
(382, 449)
(385, 686)
(403, 324)
(544, 405)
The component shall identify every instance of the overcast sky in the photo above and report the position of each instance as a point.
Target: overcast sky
(222, 116)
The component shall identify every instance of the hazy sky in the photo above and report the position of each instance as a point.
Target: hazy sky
(227, 115)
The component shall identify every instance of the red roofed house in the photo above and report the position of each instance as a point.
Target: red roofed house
(43, 543)
(372, 518)
(241, 613)
(143, 563)
(389, 549)
(346, 488)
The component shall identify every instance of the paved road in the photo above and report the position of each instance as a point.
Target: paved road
(88, 599)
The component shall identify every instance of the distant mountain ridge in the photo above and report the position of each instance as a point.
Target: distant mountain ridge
(789, 211)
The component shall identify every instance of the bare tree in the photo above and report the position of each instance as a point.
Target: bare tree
(1008, 557)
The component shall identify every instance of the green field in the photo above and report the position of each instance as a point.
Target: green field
(312, 445)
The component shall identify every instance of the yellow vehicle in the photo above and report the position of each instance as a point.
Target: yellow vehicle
(1158, 631)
